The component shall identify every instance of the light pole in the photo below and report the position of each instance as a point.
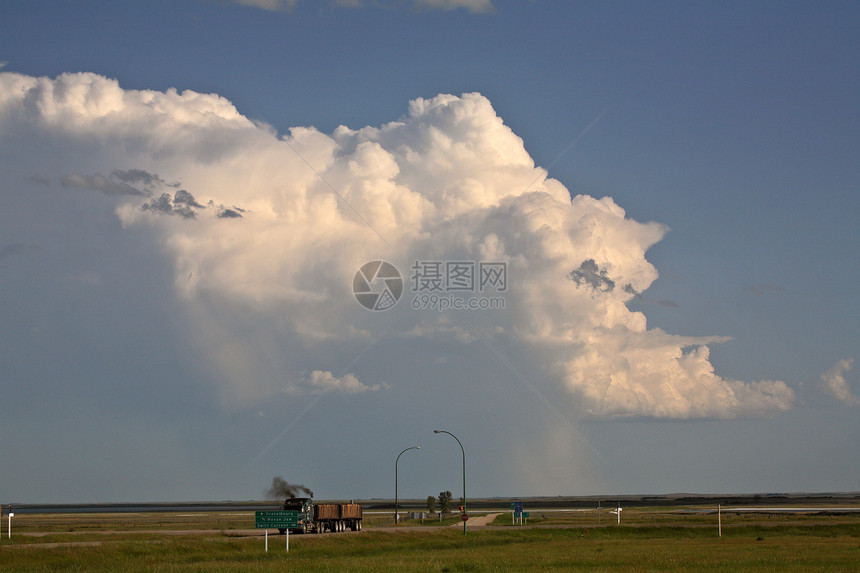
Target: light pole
(396, 516)
(464, 471)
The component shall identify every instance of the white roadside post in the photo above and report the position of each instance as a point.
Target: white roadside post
(287, 545)
(720, 520)
(11, 515)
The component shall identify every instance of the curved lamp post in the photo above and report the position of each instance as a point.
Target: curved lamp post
(464, 470)
(396, 515)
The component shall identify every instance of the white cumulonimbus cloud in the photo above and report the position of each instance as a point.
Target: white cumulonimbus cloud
(267, 231)
(834, 383)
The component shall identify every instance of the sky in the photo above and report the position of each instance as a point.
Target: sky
(610, 247)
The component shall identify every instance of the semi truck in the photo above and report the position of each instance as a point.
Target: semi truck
(323, 517)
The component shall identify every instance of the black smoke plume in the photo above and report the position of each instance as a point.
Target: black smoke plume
(281, 489)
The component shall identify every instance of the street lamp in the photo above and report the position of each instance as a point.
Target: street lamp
(396, 516)
(464, 471)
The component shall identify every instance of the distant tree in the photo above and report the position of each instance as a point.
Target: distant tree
(445, 501)
(431, 504)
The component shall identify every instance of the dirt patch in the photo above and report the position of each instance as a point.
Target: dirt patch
(479, 520)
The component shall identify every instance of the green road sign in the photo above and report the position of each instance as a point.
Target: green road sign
(276, 519)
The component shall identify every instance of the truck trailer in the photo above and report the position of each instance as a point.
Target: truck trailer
(323, 517)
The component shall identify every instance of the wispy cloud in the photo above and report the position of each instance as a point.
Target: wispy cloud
(273, 5)
(474, 6)
(833, 382)
(98, 182)
(588, 274)
(477, 6)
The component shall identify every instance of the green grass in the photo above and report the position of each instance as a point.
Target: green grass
(783, 544)
(85, 522)
(817, 548)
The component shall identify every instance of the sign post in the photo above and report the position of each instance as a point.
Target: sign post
(719, 520)
(279, 519)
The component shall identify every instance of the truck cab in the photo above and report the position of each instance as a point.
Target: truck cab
(305, 508)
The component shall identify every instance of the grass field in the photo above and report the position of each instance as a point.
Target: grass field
(647, 540)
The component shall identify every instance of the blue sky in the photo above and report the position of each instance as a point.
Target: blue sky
(732, 127)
